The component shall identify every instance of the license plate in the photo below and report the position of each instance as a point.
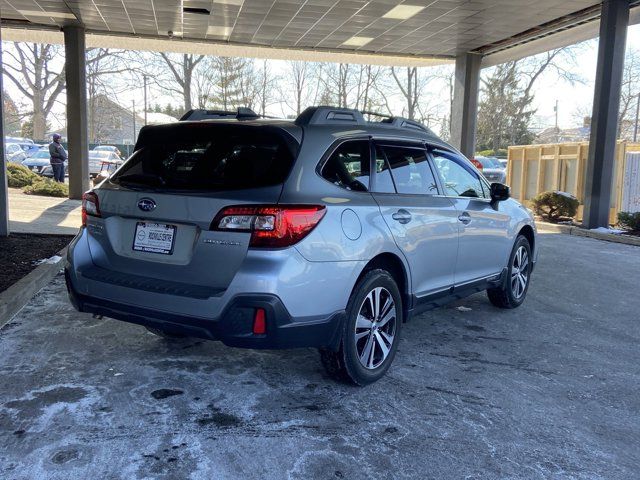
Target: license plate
(154, 238)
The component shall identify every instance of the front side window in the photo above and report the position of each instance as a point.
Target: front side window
(410, 170)
(348, 166)
(458, 180)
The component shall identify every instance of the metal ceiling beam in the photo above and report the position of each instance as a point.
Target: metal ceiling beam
(604, 120)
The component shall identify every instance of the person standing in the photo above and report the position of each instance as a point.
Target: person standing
(58, 156)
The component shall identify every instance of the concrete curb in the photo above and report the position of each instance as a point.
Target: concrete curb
(18, 295)
(581, 232)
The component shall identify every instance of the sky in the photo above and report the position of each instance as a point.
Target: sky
(574, 100)
(573, 97)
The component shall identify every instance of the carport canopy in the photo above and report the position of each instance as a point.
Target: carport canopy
(471, 33)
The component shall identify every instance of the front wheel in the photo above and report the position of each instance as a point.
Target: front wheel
(514, 289)
(371, 331)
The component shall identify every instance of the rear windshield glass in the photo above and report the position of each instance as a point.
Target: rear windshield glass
(221, 158)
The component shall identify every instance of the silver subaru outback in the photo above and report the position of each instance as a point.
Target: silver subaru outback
(329, 231)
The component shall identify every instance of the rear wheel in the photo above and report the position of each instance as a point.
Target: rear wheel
(370, 332)
(513, 291)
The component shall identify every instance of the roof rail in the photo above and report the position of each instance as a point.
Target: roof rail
(335, 115)
(242, 113)
(329, 116)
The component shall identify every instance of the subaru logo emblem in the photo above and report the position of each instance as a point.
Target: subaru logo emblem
(146, 204)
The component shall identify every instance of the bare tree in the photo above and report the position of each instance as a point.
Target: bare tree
(104, 67)
(182, 68)
(267, 82)
(629, 94)
(37, 71)
(366, 94)
(300, 85)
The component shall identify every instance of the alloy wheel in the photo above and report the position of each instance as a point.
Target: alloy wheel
(375, 328)
(519, 272)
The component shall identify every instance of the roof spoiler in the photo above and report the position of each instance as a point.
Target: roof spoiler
(323, 115)
(242, 113)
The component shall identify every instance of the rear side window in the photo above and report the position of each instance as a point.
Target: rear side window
(410, 170)
(211, 159)
(348, 166)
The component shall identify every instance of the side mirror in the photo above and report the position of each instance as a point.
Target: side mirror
(499, 192)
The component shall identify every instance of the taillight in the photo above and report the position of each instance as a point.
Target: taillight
(476, 164)
(90, 206)
(274, 226)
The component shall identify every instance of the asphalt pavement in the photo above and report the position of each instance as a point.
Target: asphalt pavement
(549, 390)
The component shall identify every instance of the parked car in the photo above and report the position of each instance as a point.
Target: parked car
(492, 169)
(96, 159)
(31, 149)
(108, 148)
(108, 168)
(18, 140)
(38, 161)
(48, 170)
(13, 153)
(327, 232)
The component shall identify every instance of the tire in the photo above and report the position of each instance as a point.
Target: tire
(165, 335)
(361, 358)
(514, 289)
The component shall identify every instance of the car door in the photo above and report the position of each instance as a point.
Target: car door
(483, 244)
(422, 222)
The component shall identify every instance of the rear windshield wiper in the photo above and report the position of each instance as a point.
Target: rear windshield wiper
(142, 179)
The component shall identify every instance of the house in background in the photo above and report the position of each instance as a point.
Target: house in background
(111, 123)
(566, 135)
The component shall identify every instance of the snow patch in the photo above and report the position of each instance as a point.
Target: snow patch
(48, 261)
(615, 231)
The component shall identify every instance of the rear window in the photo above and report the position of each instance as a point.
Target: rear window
(191, 157)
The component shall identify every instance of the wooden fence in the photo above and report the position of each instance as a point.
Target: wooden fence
(532, 169)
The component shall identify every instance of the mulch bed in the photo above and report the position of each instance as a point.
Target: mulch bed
(20, 252)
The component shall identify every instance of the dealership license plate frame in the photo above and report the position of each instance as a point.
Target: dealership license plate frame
(157, 249)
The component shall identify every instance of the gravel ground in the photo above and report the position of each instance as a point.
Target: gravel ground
(549, 390)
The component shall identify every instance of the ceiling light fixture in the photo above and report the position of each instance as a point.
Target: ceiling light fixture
(42, 13)
(219, 31)
(402, 12)
(357, 41)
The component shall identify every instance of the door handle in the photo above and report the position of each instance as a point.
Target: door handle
(465, 218)
(402, 216)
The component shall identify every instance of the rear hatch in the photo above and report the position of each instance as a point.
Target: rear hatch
(156, 211)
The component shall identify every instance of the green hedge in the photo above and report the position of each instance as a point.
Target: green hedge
(19, 176)
(501, 152)
(555, 206)
(629, 221)
(47, 187)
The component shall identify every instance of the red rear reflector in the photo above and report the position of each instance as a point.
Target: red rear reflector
(477, 164)
(259, 322)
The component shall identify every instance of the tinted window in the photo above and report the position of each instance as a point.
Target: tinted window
(384, 183)
(223, 158)
(410, 170)
(458, 178)
(348, 166)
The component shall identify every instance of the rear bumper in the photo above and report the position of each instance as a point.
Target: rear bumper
(234, 326)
